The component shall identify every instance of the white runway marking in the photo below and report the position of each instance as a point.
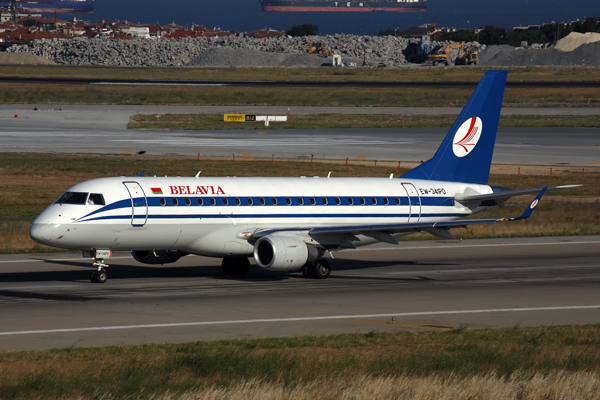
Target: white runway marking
(58, 259)
(443, 271)
(227, 142)
(36, 287)
(458, 245)
(273, 320)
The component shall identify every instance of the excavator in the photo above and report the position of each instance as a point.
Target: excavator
(318, 48)
(441, 54)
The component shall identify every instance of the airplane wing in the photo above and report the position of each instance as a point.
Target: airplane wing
(383, 232)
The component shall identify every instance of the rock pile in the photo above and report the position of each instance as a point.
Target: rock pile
(375, 51)
(586, 54)
(386, 51)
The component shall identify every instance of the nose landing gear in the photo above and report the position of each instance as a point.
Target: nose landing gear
(100, 275)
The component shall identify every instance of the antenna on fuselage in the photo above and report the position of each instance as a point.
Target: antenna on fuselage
(329, 174)
(198, 174)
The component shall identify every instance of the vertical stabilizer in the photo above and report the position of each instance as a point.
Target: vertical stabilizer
(465, 155)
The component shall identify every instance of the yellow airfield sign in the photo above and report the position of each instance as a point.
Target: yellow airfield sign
(239, 118)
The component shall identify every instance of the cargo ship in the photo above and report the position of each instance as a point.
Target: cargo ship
(53, 6)
(341, 6)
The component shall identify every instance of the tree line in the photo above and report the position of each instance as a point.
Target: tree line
(491, 35)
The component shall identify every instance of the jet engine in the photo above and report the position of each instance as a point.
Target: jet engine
(282, 253)
(157, 257)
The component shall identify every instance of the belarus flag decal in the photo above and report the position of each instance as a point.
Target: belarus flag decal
(156, 191)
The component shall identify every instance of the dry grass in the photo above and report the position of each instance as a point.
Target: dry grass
(556, 385)
(558, 362)
(12, 93)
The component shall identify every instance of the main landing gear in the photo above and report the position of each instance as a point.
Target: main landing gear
(319, 269)
(235, 266)
(100, 275)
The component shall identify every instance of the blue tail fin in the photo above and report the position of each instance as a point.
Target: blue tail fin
(465, 155)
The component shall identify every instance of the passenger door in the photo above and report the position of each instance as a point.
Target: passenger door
(139, 205)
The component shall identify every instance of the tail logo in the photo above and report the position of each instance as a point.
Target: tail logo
(466, 137)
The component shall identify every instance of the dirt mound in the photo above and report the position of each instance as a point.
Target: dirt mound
(575, 39)
(586, 54)
(23, 58)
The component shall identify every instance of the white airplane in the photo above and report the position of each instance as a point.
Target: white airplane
(285, 223)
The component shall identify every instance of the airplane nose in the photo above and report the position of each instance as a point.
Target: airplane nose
(42, 233)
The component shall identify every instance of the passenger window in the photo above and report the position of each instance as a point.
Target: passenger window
(262, 201)
(200, 201)
(386, 201)
(188, 201)
(162, 201)
(175, 201)
(72, 198)
(213, 201)
(350, 200)
(237, 201)
(374, 200)
(397, 199)
(274, 200)
(324, 201)
(300, 201)
(313, 201)
(225, 201)
(96, 199)
(338, 201)
(362, 201)
(249, 201)
(288, 201)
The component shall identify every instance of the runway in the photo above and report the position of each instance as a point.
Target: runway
(47, 301)
(102, 129)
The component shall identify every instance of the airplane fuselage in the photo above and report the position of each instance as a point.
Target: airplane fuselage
(212, 216)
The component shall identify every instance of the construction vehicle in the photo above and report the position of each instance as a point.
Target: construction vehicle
(467, 56)
(417, 52)
(440, 55)
(319, 49)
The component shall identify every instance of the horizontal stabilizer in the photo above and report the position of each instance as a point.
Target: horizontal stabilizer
(502, 196)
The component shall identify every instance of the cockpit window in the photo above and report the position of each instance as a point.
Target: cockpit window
(96, 199)
(72, 198)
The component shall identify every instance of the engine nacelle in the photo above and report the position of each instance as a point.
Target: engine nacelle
(282, 253)
(157, 257)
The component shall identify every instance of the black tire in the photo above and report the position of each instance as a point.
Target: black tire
(321, 269)
(227, 266)
(235, 266)
(94, 277)
(101, 276)
(307, 270)
(241, 266)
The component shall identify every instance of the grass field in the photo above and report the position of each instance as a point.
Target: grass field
(29, 182)
(336, 121)
(31, 93)
(470, 74)
(558, 362)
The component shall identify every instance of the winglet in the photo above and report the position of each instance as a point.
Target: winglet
(529, 210)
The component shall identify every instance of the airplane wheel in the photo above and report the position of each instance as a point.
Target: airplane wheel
(235, 266)
(94, 277)
(241, 266)
(306, 270)
(321, 269)
(227, 266)
(101, 276)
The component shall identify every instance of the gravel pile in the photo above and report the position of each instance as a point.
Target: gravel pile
(586, 54)
(386, 51)
(575, 39)
(376, 51)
